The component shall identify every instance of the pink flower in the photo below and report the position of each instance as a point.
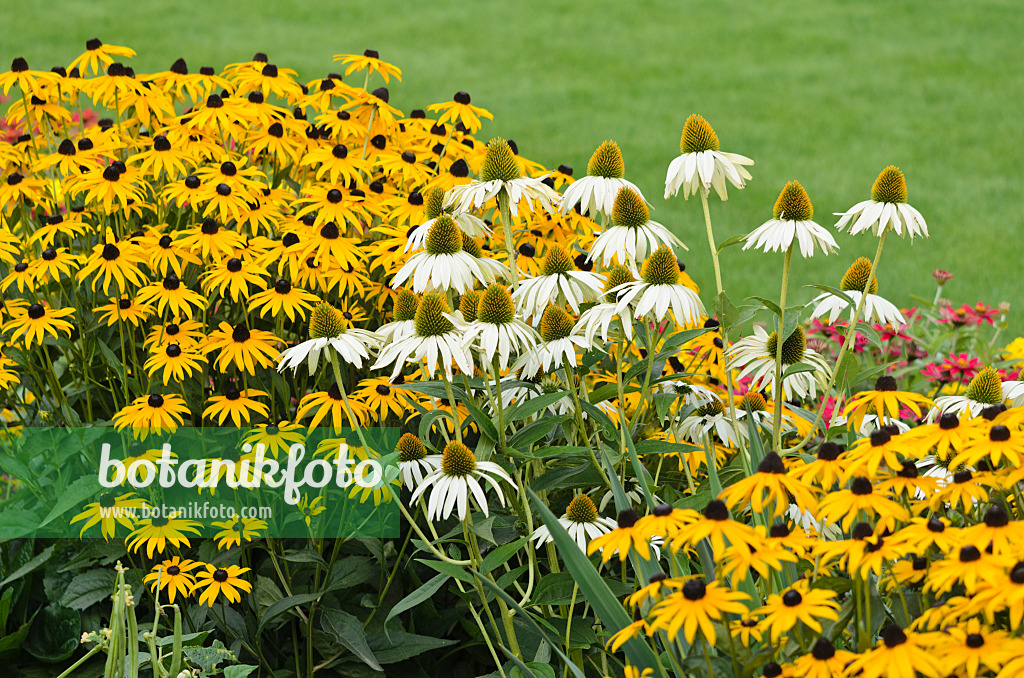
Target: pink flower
(955, 368)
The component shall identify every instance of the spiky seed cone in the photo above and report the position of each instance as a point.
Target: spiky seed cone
(793, 204)
(499, 163)
(986, 387)
(325, 322)
(557, 261)
(711, 409)
(496, 307)
(755, 401)
(661, 268)
(468, 304)
(890, 186)
(581, 509)
(429, 319)
(697, 136)
(444, 236)
(629, 209)
(617, 275)
(406, 305)
(411, 448)
(550, 383)
(470, 247)
(555, 324)
(457, 459)
(856, 277)
(793, 348)
(607, 162)
(435, 203)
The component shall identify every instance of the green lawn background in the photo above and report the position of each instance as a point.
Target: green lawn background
(825, 92)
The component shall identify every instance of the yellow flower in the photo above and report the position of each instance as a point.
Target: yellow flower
(155, 533)
(32, 324)
(174, 576)
(309, 509)
(109, 512)
(695, 606)
(233, 532)
(218, 580)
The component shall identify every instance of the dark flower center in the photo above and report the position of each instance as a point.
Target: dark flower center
(879, 438)
(999, 434)
(340, 151)
(829, 451)
(627, 518)
(234, 265)
(20, 267)
(936, 525)
(662, 510)
(694, 589)
(209, 227)
(969, 554)
(330, 231)
(792, 598)
(172, 282)
(156, 400)
(885, 383)
(173, 350)
(192, 182)
(861, 486)
(779, 531)
(823, 649)
(232, 393)
(223, 190)
(383, 390)
(716, 510)
(282, 286)
(240, 334)
(975, 640)
(893, 636)
(772, 463)
(174, 570)
(220, 576)
(995, 516)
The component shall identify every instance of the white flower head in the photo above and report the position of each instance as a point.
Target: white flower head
(501, 172)
(986, 389)
(755, 356)
(633, 235)
(497, 332)
(330, 338)
(438, 337)
(560, 283)
(853, 285)
(473, 226)
(444, 264)
(887, 210)
(595, 193)
(712, 418)
(558, 346)
(581, 521)
(702, 165)
(413, 461)
(792, 221)
(458, 476)
(659, 290)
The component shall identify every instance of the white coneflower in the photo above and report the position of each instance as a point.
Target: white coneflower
(711, 418)
(595, 193)
(581, 521)
(438, 334)
(413, 461)
(443, 265)
(702, 165)
(500, 171)
(496, 332)
(792, 221)
(559, 283)
(887, 209)
(329, 336)
(984, 390)
(404, 314)
(755, 356)
(854, 284)
(492, 268)
(558, 345)
(659, 290)
(632, 235)
(599, 317)
(459, 475)
(471, 225)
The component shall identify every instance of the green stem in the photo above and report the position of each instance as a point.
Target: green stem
(780, 340)
(510, 244)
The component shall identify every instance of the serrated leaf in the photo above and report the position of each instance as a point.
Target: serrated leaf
(348, 631)
(88, 589)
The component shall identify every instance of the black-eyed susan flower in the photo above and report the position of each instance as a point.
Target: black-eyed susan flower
(883, 447)
(174, 576)
(886, 210)
(970, 567)
(844, 506)
(792, 220)
(283, 297)
(665, 521)
(948, 436)
(963, 490)
(217, 580)
(799, 603)
(380, 397)
(824, 661)
(174, 362)
(172, 295)
(984, 390)
(899, 655)
(211, 241)
(885, 401)
(27, 80)
(113, 263)
(275, 438)
(22, 275)
(717, 526)
(622, 540)
(234, 532)
(57, 262)
(459, 110)
(695, 606)
(124, 309)
(110, 511)
(1000, 445)
(152, 413)
(826, 469)
(458, 476)
(242, 347)
(702, 165)
(232, 277)
(156, 533)
(236, 404)
(115, 183)
(187, 333)
(371, 62)
(770, 487)
(1002, 536)
(98, 56)
(31, 325)
(334, 402)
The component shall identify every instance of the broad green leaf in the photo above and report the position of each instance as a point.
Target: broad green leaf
(305, 556)
(727, 313)
(79, 490)
(521, 411)
(556, 589)
(396, 646)
(535, 431)
(421, 594)
(645, 447)
(17, 523)
(348, 631)
(239, 670)
(31, 566)
(769, 304)
(501, 554)
(607, 607)
(797, 368)
(89, 588)
(281, 606)
(453, 571)
(207, 658)
(55, 635)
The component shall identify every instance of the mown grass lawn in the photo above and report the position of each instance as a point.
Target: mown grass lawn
(826, 92)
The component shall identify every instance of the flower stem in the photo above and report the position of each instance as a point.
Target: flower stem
(452, 405)
(510, 245)
(780, 340)
(847, 341)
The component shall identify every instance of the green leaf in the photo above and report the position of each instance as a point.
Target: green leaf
(453, 571)
(421, 594)
(55, 635)
(535, 431)
(283, 605)
(487, 427)
(729, 242)
(428, 420)
(207, 658)
(17, 523)
(556, 589)
(536, 669)
(31, 566)
(521, 411)
(607, 607)
(396, 646)
(725, 310)
(348, 631)
(791, 320)
(89, 588)
(239, 670)
(501, 554)
(305, 556)
(12, 642)
(797, 368)
(837, 584)
(835, 292)
(645, 447)
(769, 304)
(79, 490)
